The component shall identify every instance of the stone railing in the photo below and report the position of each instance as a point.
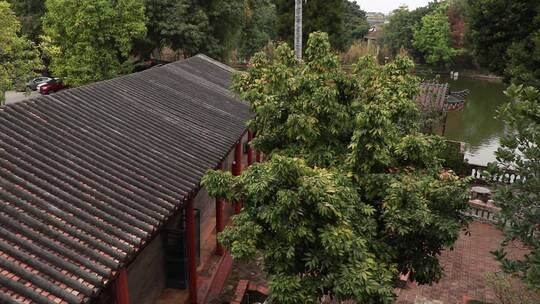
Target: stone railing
(484, 211)
(477, 171)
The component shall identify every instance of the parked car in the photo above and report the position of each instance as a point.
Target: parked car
(34, 82)
(51, 86)
(43, 83)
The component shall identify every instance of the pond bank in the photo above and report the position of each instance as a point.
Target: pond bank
(476, 124)
(465, 73)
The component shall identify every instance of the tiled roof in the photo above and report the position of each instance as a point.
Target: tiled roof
(89, 175)
(432, 96)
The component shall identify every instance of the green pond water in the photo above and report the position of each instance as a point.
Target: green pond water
(476, 124)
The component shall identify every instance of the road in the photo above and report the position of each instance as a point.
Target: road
(13, 97)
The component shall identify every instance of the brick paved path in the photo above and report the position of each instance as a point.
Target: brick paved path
(465, 268)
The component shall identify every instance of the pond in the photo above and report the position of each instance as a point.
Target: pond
(476, 124)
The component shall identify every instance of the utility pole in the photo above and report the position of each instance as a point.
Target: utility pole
(298, 29)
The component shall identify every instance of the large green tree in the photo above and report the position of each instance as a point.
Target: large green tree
(398, 32)
(193, 26)
(353, 193)
(19, 57)
(318, 15)
(503, 35)
(259, 28)
(181, 25)
(520, 201)
(523, 66)
(432, 38)
(355, 25)
(226, 18)
(29, 13)
(88, 41)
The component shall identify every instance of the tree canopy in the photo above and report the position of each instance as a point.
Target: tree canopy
(355, 25)
(432, 37)
(520, 201)
(399, 31)
(259, 27)
(19, 56)
(504, 37)
(331, 21)
(353, 193)
(179, 25)
(88, 41)
(29, 13)
(193, 26)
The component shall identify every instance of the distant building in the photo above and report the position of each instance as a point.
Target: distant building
(375, 18)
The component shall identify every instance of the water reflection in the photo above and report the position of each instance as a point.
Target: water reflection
(476, 124)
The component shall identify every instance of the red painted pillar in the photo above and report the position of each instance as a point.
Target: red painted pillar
(121, 287)
(250, 149)
(259, 156)
(220, 223)
(220, 220)
(191, 252)
(237, 170)
(237, 165)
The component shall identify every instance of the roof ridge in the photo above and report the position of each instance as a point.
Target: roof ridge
(217, 63)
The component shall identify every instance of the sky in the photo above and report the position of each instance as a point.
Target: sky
(386, 6)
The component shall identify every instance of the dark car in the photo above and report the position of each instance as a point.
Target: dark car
(51, 86)
(34, 82)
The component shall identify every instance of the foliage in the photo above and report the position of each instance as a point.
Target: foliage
(331, 21)
(226, 18)
(508, 292)
(353, 192)
(355, 25)
(494, 25)
(310, 228)
(454, 157)
(18, 56)
(358, 50)
(520, 203)
(432, 38)
(523, 66)
(398, 33)
(456, 17)
(259, 27)
(193, 26)
(29, 13)
(90, 41)
(179, 25)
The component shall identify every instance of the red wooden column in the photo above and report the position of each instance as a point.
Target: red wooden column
(237, 169)
(220, 220)
(191, 252)
(250, 149)
(259, 156)
(121, 287)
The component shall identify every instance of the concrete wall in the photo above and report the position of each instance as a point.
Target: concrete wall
(146, 274)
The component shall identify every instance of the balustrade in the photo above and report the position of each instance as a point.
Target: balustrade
(507, 177)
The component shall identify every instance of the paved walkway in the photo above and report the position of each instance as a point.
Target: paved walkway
(13, 97)
(465, 269)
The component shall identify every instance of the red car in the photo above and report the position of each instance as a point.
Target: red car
(51, 86)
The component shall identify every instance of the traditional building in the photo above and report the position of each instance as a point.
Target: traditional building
(100, 199)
